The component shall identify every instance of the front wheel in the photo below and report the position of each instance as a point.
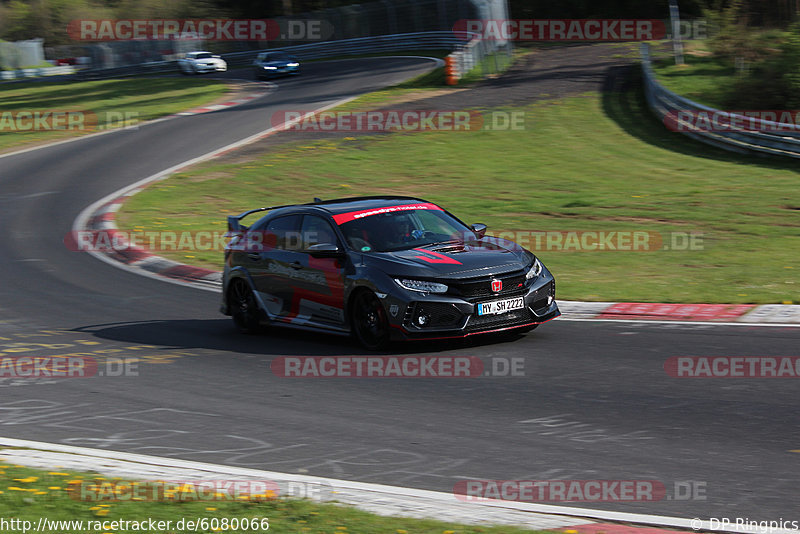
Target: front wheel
(244, 308)
(369, 322)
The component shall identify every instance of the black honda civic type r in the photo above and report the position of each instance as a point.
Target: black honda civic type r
(381, 269)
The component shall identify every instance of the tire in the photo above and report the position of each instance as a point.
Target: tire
(244, 308)
(368, 321)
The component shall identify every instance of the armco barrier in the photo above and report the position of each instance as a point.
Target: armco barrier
(664, 102)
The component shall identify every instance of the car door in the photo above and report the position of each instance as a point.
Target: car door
(274, 258)
(320, 281)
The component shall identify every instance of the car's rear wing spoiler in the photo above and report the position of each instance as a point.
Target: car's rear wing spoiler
(235, 226)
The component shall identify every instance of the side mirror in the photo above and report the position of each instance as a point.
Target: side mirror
(479, 229)
(325, 250)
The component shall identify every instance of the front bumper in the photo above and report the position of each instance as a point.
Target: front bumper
(211, 68)
(453, 317)
(280, 71)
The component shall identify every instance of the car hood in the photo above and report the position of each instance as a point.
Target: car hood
(455, 261)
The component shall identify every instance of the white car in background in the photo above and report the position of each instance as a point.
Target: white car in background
(200, 62)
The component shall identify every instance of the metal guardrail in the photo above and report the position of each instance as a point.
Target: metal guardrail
(344, 47)
(768, 137)
(31, 73)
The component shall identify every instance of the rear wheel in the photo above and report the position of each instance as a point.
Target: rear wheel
(369, 322)
(244, 308)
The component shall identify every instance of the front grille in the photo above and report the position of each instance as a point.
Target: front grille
(440, 315)
(477, 288)
(488, 322)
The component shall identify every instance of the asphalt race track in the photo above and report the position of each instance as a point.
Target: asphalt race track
(594, 401)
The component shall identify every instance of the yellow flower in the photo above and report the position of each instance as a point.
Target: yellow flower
(211, 509)
(26, 480)
(54, 487)
(57, 474)
(401, 531)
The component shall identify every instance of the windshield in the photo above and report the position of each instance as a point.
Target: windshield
(401, 230)
(204, 55)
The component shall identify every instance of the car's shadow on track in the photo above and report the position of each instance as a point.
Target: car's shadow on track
(221, 335)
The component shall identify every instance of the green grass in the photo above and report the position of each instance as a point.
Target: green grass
(145, 98)
(28, 495)
(703, 79)
(587, 163)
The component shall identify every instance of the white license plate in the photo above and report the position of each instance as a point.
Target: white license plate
(501, 306)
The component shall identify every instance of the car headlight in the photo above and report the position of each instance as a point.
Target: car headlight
(421, 286)
(293, 64)
(270, 68)
(535, 270)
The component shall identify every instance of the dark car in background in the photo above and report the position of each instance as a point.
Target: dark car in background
(270, 64)
(381, 269)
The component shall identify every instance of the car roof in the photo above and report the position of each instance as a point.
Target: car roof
(344, 205)
(338, 205)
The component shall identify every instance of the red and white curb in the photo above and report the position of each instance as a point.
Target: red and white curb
(740, 314)
(375, 498)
